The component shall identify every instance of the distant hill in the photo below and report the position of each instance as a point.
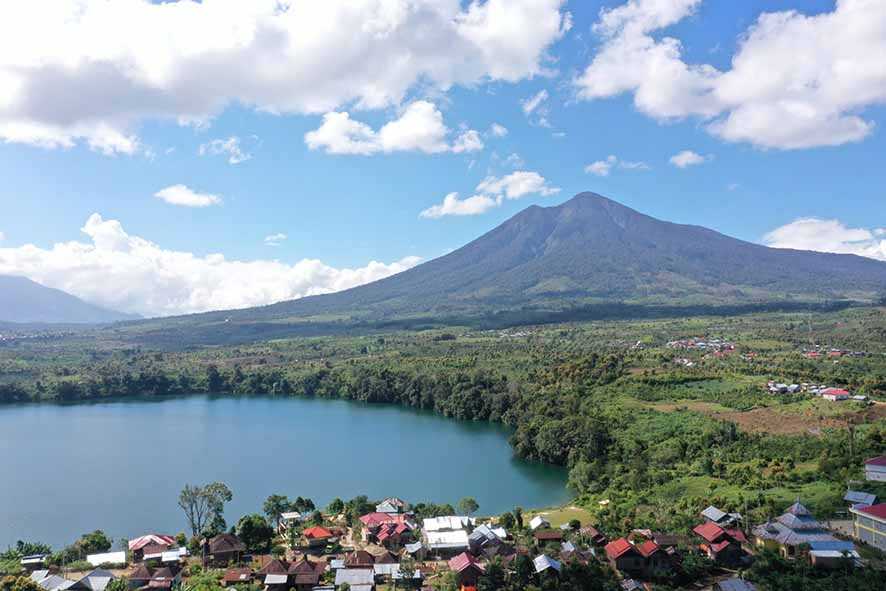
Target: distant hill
(588, 252)
(25, 301)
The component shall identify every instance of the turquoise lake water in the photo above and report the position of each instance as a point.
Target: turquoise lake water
(119, 466)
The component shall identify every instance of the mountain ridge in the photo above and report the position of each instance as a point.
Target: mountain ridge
(25, 301)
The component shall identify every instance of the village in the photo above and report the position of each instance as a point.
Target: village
(392, 547)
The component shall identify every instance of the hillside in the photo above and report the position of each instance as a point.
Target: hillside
(587, 253)
(25, 301)
(592, 249)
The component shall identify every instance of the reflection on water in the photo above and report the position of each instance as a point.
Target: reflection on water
(118, 466)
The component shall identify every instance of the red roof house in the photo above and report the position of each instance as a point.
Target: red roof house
(467, 570)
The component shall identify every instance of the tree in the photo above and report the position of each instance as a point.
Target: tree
(254, 531)
(118, 584)
(94, 543)
(518, 517)
(506, 520)
(336, 507)
(275, 506)
(468, 506)
(204, 506)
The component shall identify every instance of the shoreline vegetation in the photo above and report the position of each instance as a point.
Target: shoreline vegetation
(654, 418)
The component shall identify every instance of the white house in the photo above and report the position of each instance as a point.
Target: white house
(875, 469)
(539, 522)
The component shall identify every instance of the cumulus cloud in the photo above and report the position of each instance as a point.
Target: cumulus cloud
(452, 205)
(92, 70)
(829, 236)
(491, 192)
(604, 167)
(688, 158)
(186, 197)
(795, 82)
(132, 274)
(275, 239)
(419, 128)
(498, 130)
(229, 147)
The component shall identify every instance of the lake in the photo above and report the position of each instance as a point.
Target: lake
(119, 466)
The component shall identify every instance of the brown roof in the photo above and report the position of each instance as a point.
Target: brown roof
(307, 578)
(141, 572)
(274, 567)
(386, 558)
(236, 575)
(226, 543)
(548, 534)
(301, 567)
(359, 558)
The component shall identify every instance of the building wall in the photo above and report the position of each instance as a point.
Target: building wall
(875, 473)
(870, 531)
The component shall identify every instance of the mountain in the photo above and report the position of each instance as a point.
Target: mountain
(588, 256)
(23, 300)
(592, 249)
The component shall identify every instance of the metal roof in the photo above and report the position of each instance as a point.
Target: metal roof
(449, 522)
(854, 496)
(544, 562)
(354, 576)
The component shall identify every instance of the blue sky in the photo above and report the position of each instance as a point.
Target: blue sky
(753, 176)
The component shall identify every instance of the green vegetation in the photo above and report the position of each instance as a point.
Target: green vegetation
(649, 438)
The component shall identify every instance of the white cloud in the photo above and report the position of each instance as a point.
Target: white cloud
(2, 236)
(532, 103)
(491, 192)
(514, 160)
(604, 167)
(93, 70)
(795, 82)
(688, 158)
(452, 205)
(132, 274)
(516, 185)
(186, 197)
(469, 141)
(419, 128)
(498, 130)
(601, 167)
(229, 146)
(275, 239)
(829, 236)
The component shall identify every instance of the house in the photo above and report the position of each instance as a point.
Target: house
(358, 579)
(239, 575)
(96, 580)
(870, 525)
(467, 570)
(447, 523)
(632, 585)
(113, 558)
(393, 536)
(317, 536)
(543, 536)
(623, 556)
(656, 560)
(392, 505)
(721, 518)
(165, 578)
(875, 469)
(140, 576)
(723, 546)
(304, 575)
(546, 565)
(835, 394)
(832, 554)
(854, 497)
(791, 530)
(223, 549)
(50, 582)
(539, 522)
(156, 542)
(33, 562)
(593, 535)
(734, 584)
(485, 536)
(446, 542)
(416, 550)
(359, 559)
(289, 519)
